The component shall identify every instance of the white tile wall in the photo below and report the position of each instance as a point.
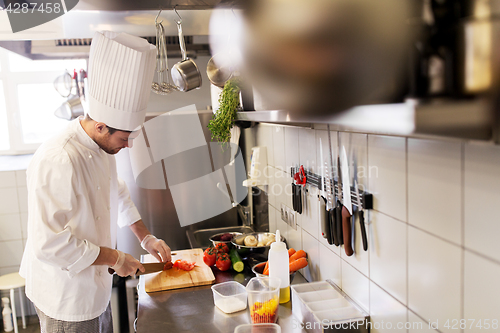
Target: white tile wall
(291, 148)
(309, 217)
(434, 182)
(481, 292)
(9, 203)
(307, 151)
(388, 255)
(12, 252)
(272, 218)
(264, 135)
(481, 199)
(356, 285)
(311, 246)
(434, 277)
(279, 147)
(13, 222)
(424, 265)
(386, 313)
(10, 226)
(387, 174)
(329, 267)
(8, 179)
(417, 325)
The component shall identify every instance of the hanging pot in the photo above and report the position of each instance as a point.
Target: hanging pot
(185, 73)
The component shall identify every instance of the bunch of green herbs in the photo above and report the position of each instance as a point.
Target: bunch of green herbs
(223, 120)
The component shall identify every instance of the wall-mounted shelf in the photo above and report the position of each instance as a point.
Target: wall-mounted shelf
(461, 119)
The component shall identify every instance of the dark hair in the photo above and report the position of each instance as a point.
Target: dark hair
(111, 130)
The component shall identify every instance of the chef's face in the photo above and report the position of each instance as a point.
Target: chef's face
(113, 143)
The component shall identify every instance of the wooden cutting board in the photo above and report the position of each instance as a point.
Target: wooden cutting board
(175, 278)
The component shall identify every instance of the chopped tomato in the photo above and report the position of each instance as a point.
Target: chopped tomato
(184, 265)
(222, 247)
(210, 256)
(167, 265)
(223, 261)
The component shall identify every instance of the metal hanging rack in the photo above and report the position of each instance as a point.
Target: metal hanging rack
(312, 179)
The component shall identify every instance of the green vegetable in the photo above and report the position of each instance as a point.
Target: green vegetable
(229, 100)
(238, 265)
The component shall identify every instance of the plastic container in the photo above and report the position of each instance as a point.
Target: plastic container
(279, 267)
(230, 296)
(263, 299)
(8, 325)
(257, 328)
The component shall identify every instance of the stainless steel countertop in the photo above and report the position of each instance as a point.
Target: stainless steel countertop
(193, 309)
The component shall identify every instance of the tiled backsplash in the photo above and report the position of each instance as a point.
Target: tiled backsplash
(433, 258)
(13, 225)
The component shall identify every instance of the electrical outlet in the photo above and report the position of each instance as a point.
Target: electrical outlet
(284, 214)
(292, 218)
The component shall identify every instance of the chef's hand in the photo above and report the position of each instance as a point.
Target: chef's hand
(157, 247)
(127, 265)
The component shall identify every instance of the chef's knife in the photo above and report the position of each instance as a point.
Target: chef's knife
(329, 205)
(347, 208)
(150, 268)
(338, 226)
(361, 217)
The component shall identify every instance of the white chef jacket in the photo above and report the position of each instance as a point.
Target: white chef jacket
(75, 201)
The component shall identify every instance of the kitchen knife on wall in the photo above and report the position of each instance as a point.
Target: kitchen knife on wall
(361, 217)
(338, 212)
(347, 208)
(329, 206)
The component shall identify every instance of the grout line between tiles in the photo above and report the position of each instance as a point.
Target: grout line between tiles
(421, 318)
(479, 254)
(407, 233)
(436, 236)
(462, 225)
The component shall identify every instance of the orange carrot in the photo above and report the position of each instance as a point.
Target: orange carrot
(291, 251)
(297, 264)
(297, 255)
(266, 271)
(266, 268)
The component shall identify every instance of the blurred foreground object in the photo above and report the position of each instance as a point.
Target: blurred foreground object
(319, 57)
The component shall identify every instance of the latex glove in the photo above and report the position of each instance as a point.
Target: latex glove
(127, 265)
(157, 247)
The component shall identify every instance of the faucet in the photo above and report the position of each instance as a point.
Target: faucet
(243, 211)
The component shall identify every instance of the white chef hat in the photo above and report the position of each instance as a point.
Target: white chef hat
(121, 69)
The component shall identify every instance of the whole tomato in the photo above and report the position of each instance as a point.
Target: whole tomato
(222, 248)
(223, 261)
(210, 256)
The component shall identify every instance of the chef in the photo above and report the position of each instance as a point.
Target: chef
(76, 201)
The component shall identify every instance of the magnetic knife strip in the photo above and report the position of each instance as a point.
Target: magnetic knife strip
(314, 180)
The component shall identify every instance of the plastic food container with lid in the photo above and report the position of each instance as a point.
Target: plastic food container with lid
(257, 328)
(230, 296)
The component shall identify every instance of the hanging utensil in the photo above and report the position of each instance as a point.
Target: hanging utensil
(162, 87)
(361, 217)
(62, 84)
(185, 73)
(219, 69)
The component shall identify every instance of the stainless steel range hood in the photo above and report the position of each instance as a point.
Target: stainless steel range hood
(69, 36)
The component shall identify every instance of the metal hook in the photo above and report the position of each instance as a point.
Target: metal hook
(156, 18)
(180, 18)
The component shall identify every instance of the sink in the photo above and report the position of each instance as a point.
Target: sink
(201, 238)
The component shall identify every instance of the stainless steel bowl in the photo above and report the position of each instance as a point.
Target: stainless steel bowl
(215, 239)
(256, 251)
(259, 268)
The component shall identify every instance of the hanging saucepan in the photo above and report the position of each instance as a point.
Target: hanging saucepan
(185, 73)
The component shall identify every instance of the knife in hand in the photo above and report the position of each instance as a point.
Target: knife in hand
(150, 268)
